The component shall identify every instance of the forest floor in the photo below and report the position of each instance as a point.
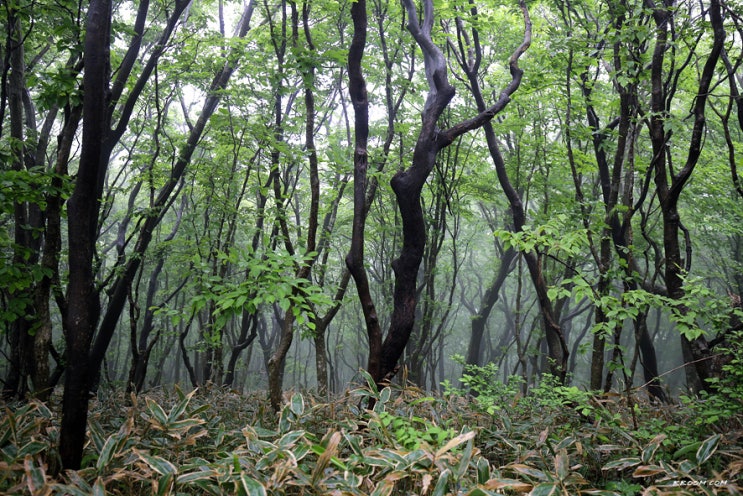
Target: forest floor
(554, 440)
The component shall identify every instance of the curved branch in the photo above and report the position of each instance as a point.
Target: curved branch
(355, 257)
(487, 115)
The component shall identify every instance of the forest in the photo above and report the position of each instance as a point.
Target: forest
(371, 247)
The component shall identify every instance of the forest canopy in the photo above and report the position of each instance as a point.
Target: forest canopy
(280, 195)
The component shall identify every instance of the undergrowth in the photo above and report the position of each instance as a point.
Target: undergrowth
(554, 440)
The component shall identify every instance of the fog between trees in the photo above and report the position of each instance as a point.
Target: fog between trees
(272, 195)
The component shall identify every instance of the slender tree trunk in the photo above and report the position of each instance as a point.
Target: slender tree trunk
(20, 338)
(558, 351)
(669, 184)
(184, 354)
(489, 299)
(83, 300)
(248, 333)
(355, 257)
(648, 357)
(277, 362)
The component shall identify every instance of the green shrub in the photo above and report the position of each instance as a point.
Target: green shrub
(214, 441)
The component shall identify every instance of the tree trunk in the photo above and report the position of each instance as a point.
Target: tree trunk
(489, 299)
(321, 360)
(277, 361)
(696, 351)
(648, 358)
(355, 257)
(248, 333)
(19, 333)
(407, 184)
(558, 351)
(83, 300)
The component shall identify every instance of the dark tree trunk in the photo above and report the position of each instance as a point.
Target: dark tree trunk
(30, 332)
(277, 361)
(20, 339)
(648, 358)
(248, 333)
(557, 346)
(184, 354)
(407, 184)
(355, 257)
(83, 300)
(423, 334)
(669, 183)
(84, 357)
(321, 359)
(489, 299)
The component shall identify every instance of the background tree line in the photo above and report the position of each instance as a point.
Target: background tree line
(214, 192)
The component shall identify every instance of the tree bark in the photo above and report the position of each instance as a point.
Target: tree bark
(248, 333)
(489, 299)
(83, 299)
(355, 257)
(558, 350)
(407, 184)
(670, 184)
(20, 337)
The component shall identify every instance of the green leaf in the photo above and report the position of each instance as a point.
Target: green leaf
(251, 486)
(99, 488)
(289, 440)
(297, 404)
(483, 470)
(157, 412)
(686, 450)
(181, 406)
(369, 382)
(165, 484)
(32, 448)
(529, 471)
(650, 449)
(562, 464)
(107, 453)
(157, 463)
(199, 475)
(462, 438)
(708, 447)
(545, 489)
(384, 395)
(622, 464)
(442, 485)
(648, 471)
(36, 476)
(481, 492)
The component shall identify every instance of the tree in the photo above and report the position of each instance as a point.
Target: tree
(86, 348)
(407, 184)
(670, 183)
(277, 360)
(40, 183)
(470, 62)
(83, 208)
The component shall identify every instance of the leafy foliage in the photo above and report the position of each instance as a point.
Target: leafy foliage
(213, 441)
